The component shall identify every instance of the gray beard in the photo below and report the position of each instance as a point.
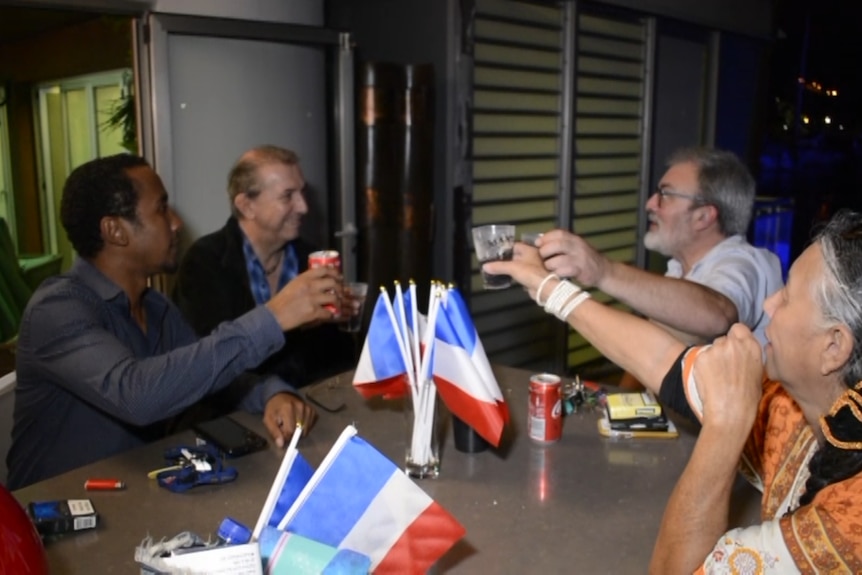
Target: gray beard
(652, 242)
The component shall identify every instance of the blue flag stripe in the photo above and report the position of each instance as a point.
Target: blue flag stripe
(353, 480)
(462, 323)
(299, 474)
(450, 329)
(385, 351)
(408, 308)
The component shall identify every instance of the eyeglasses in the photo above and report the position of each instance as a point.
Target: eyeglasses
(664, 192)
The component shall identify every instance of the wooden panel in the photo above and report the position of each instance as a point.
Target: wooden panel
(516, 145)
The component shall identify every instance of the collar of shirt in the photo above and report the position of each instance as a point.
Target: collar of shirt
(155, 306)
(257, 276)
(674, 268)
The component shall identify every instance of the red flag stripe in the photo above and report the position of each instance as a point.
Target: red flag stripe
(392, 387)
(486, 418)
(416, 549)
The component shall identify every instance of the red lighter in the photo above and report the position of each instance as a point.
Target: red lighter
(103, 484)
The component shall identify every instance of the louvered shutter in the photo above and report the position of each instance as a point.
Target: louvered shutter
(516, 150)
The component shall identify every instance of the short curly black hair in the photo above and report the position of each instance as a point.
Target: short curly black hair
(96, 189)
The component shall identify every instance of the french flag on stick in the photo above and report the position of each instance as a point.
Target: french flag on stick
(361, 501)
(462, 373)
(381, 369)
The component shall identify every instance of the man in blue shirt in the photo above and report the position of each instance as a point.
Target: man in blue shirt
(104, 360)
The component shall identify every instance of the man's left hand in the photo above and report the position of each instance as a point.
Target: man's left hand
(283, 412)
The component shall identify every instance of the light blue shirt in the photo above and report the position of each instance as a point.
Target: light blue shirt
(745, 274)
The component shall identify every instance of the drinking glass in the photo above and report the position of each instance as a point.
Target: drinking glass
(494, 242)
(358, 291)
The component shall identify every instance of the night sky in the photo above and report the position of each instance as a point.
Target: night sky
(834, 54)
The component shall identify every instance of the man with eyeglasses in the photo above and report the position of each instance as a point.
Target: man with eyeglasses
(698, 217)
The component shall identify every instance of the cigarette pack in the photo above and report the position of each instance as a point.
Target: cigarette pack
(632, 405)
(62, 516)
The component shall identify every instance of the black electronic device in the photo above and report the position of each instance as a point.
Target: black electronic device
(657, 423)
(229, 436)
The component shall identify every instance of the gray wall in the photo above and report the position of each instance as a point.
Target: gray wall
(679, 107)
(228, 95)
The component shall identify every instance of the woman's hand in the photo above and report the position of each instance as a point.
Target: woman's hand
(526, 268)
(729, 376)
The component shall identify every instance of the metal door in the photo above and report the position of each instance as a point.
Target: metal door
(214, 88)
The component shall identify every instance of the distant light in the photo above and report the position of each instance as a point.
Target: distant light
(827, 120)
(805, 119)
(784, 126)
(840, 126)
(834, 92)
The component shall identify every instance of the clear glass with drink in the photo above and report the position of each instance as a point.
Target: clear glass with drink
(357, 291)
(492, 243)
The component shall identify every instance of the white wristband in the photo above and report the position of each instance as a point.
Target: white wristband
(570, 307)
(542, 286)
(562, 293)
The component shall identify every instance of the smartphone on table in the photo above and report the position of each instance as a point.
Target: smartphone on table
(229, 436)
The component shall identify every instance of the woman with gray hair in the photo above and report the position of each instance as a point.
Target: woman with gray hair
(788, 415)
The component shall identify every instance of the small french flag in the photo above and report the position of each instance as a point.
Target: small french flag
(463, 374)
(381, 368)
(361, 501)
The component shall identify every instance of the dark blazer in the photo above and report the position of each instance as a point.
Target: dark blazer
(212, 286)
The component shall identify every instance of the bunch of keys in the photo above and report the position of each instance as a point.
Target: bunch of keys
(193, 466)
(578, 395)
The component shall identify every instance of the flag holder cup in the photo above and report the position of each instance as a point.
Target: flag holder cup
(423, 451)
(428, 360)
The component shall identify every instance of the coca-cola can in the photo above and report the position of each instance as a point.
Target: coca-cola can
(545, 412)
(325, 258)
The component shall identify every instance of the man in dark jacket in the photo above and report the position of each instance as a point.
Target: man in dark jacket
(257, 252)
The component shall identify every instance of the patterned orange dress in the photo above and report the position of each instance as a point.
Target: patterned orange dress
(824, 536)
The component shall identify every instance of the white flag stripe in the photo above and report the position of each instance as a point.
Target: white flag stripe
(364, 368)
(480, 361)
(400, 502)
(453, 364)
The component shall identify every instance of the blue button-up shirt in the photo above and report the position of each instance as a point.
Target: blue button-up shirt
(257, 280)
(91, 383)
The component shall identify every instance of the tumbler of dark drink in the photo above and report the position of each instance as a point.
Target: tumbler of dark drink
(494, 242)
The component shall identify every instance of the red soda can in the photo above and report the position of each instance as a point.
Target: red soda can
(325, 258)
(545, 417)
